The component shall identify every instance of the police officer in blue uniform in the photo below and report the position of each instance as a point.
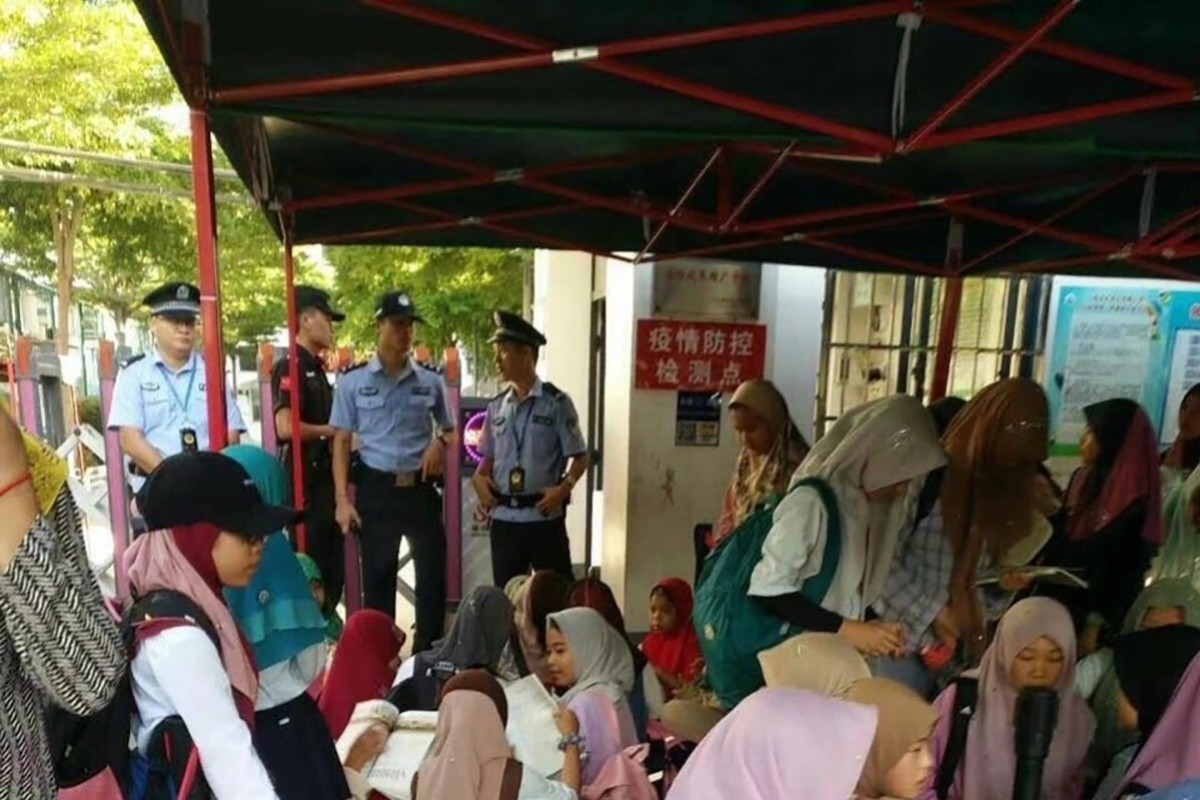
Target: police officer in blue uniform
(315, 318)
(533, 456)
(160, 402)
(400, 414)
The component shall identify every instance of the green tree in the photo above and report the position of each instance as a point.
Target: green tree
(76, 75)
(455, 289)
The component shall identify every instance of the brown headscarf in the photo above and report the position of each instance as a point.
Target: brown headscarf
(470, 758)
(545, 593)
(825, 663)
(759, 476)
(905, 719)
(994, 447)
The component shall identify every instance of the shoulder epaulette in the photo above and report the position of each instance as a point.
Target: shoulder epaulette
(554, 391)
(353, 367)
(500, 394)
(434, 368)
(133, 360)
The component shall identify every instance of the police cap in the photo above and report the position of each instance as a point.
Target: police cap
(511, 327)
(397, 304)
(176, 299)
(311, 297)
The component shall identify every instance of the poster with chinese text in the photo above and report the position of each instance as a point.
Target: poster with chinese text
(698, 356)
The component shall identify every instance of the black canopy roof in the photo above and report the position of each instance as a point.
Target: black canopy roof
(1065, 135)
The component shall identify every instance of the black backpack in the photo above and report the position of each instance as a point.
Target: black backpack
(966, 692)
(83, 747)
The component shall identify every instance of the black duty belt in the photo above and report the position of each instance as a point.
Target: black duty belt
(518, 500)
(400, 480)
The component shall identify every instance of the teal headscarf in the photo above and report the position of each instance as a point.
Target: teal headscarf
(1169, 593)
(333, 629)
(1180, 555)
(277, 611)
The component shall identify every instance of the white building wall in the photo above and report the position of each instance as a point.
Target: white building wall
(654, 492)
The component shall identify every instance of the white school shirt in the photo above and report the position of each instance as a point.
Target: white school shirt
(284, 682)
(179, 673)
(794, 551)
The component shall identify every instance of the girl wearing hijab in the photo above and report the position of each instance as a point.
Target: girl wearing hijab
(994, 447)
(483, 636)
(671, 646)
(208, 525)
(1183, 456)
(900, 762)
(1180, 555)
(1159, 673)
(57, 643)
(772, 449)
(781, 744)
(591, 664)
(595, 594)
(316, 584)
(824, 663)
(284, 626)
(1034, 648)
(364, 667)
(1163, 603)
(470, 759)
(874, 460)
(542, 595)
(1114, 517)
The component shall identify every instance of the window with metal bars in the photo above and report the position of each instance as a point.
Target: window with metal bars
(880, 336)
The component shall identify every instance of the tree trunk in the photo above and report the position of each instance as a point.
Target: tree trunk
(67, 218)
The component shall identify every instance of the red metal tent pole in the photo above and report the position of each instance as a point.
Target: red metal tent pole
(727, 220)
(990, 73)
(294, 394)
(679, 206)
(210, 281)
(1056, 119)
(951, 305)
(1067, 52)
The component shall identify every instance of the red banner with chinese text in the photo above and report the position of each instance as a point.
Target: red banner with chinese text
(698, 356)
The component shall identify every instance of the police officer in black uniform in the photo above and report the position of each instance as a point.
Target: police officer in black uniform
(314, 335)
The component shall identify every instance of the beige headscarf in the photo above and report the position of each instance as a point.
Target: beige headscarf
(904, 720)
(760, 476)
(819, 662)
(871, 447)
(469, 758)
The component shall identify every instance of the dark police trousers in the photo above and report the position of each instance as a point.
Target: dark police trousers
(415, 513)
(324, 538)
(519, 546)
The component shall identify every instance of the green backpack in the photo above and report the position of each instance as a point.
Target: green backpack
(733, 629)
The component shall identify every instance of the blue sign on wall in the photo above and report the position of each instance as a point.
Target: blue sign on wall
(1134, 342)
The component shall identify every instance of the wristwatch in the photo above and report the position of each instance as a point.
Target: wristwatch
(573, 740)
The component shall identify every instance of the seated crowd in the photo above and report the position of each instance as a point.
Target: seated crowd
(872, 616)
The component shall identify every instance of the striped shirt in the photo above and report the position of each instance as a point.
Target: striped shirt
(57, 645)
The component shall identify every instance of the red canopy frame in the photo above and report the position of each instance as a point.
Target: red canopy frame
(1175, 239)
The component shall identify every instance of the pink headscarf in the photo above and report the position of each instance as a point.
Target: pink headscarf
(1134, 474)
(990, 764)
(781, 744)
(469, 754)
(1171, 754)
(181, 560)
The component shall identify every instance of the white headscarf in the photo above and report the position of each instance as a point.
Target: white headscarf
(602, 657)
(870, 447)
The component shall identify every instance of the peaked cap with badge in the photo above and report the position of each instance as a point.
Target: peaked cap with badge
(176, 299)
(513, 328)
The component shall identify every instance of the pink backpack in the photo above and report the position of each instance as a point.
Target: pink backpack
(623, 777)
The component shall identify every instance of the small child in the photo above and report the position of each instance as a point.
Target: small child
(672, 646)
(316, 582)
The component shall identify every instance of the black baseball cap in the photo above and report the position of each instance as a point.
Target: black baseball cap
(206, 487)
(311, 297)
(397, 304)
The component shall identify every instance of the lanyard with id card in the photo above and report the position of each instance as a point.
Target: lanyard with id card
(516, 476)
(187, 434)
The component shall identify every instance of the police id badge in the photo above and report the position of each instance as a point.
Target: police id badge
(187, 440)
(516, 481)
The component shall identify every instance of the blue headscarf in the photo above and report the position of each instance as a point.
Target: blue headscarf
(1184, 791)
(276, 611)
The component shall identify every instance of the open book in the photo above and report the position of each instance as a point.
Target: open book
(531, 729)
(412, 734)
(1047, 574)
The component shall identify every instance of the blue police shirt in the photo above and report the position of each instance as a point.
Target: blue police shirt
(539, 434)
(154, 399)
(394, 418)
